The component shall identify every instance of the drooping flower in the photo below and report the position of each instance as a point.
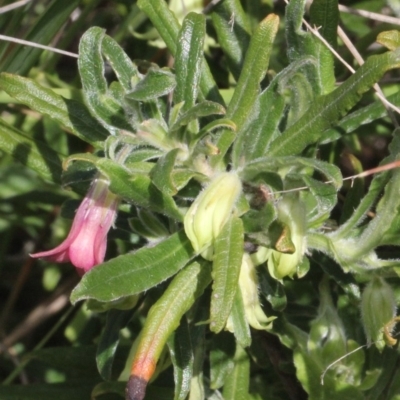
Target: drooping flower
(86, 243)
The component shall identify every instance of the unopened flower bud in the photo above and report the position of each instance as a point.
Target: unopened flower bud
(210, 211)
(378, 308)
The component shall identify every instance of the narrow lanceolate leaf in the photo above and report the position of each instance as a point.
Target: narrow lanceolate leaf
(156, 83)
(135, 272)
(168, 27)
(91, 69)
(390, 203)
(116, 320)
(240, 326)
(362, 116)
(253, 141)
(122, 65)
(189, 59)
(233, 30)
(301, 43)
(254, 69)
(368, 201)
(226, 270)
(162, 320)
(330, 171)
(221, 358)
(326, 110)
(203, 109)
(69, 113)
(325, 15)
(255, 66)
(161, 174)
(32, 153)
(138, 189)
(182, 356)
(237, 385)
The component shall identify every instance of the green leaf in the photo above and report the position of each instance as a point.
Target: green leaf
(241, 328)
(31, 152)
(326, 110)
(233, 31)
(237, 384)
(156, 83)
(358, 215)
(138, 189)
(325, 15)
(182, 356)
(109, 340)
(254, 69)
(148, 225)
(389, 39)
(226, 269)
(122, 65)
(136, 272)
(363, 116)
(168, 27)
(69, 113)
(221, 359)
(388, 205)
(189, 59)
(165, 315)
(161, 174)
(301, 44)
(247, 90)
(91, 69)
(253, 141)
(324, 195)
(330, 171)
(46, 28)
(203, 109)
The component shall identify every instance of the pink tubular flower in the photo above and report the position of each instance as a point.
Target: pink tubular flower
(86, 243)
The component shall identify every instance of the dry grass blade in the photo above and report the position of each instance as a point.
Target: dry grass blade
(13, 6)
(37, 45)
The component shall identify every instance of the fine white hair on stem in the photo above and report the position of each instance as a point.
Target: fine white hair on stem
(38, 45)
(13, 6)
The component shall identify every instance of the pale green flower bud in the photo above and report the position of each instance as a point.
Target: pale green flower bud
(291, 211)
(378, 309)
(210, 211)
(248, 283)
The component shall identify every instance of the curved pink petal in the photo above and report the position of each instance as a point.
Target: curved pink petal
(86, 243)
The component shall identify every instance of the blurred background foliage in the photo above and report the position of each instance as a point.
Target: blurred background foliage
(45, 340)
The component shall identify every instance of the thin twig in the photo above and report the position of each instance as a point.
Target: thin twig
(19, 370)
(376, 170)
(389, 106)
(338, 360)
(13, 6)
(210, 5)
(45, 310)
(370, 15)
(37, 45)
